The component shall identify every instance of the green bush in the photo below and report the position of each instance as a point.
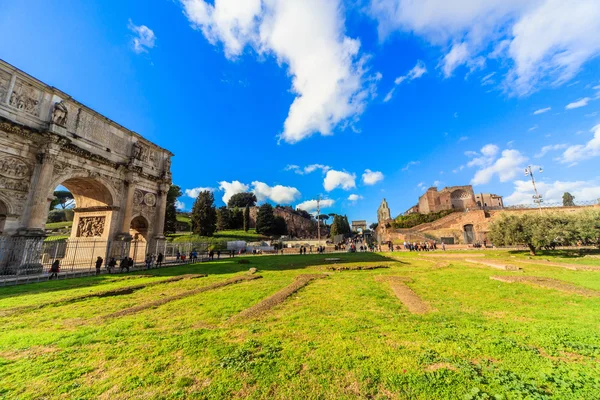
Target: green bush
(412, 220)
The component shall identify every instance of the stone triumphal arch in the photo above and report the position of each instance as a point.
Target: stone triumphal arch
(119, 179)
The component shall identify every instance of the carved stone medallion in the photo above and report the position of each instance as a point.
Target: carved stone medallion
(150, 199)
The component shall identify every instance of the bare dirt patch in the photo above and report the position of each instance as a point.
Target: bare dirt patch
(154, 304)
(548, 283)
(279, 297)
(573, 267)
(104, 293)
(441, 365)
(495, 265)
(451, 255)
(405, 294)
(354, 267)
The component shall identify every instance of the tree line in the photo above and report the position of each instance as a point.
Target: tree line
(547, 230)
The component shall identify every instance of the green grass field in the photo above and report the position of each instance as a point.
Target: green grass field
(343, 337)
(220, 236)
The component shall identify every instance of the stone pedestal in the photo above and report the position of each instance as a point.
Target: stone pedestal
(23, 253)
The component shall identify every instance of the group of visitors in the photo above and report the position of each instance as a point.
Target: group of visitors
(153, 259)
(422, 246)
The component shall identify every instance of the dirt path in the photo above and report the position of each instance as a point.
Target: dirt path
(573, 267)
(548, 283)
(451, 255)
(104, 293)
(355, 268)
(495, 265)
(405, 294)
(279, 297)
(154, 304)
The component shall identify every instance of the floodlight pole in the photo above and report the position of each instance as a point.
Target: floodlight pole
(537, 198)
(318, 220)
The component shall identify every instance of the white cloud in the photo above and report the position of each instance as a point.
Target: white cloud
(436, 183)
(410, 164)
(415, 73)
(144, 39)
(552, 192)
(311, 205)
(308, 169)
(541, 41)
(542, 110)
(533, 128)
(487, 80)
(546, 149)
(179, 205)
(328, 74)
(458, 55)
(278, 194)
(592, 114)
(342, 179)
(462, 138)
(354, 197)
(231, 188)
(371, 177)
(581, 152)
(193, 193)
(577, 104)
(505, 167)
(485, 159)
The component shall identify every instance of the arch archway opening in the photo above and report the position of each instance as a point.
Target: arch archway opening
(82, 208)
(139, 228)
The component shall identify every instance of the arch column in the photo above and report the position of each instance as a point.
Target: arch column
(127, 206)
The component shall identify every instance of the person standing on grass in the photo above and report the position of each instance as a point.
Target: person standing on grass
(129, 263)
(218, 254)
(99, 262)
(123, 264)
(54, 269)
(148, 261)
(111, 265)
(159, 260)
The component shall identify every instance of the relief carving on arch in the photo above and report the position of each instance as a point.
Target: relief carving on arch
(4, 85)
(60, 114)
(25, 97)
(90, 226)
(14, 174)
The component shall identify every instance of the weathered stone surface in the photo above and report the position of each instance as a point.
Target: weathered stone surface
(49, 139)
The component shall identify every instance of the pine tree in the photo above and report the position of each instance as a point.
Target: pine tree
(223, 218)
(171, 210)
(568, 200)
(265, 220)
(247, 218)
(204, 214)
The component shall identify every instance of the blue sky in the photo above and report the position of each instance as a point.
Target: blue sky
(292, 99)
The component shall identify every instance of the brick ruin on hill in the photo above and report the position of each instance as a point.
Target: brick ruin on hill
(299, 226)
(469, 224)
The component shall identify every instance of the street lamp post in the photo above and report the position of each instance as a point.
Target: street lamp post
(537, 198)
(319, 220)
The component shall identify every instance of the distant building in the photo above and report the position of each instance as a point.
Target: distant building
(454, 198)
(356, 225)
(383, 212)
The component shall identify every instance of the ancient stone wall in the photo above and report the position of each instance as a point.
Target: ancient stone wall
(49, 139)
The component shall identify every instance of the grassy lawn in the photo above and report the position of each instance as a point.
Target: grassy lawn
(59, 225)
(343, 337)
(250, 236)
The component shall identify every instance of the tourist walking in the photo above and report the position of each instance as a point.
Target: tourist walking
(99, 262)
(159, 259)
(148, 261)
(54, 269)
(111, 265)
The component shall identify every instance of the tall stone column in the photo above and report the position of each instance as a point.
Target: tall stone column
(41, 192)
(127, 207)
(159, 219)
(161, 210)
(26, 244)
